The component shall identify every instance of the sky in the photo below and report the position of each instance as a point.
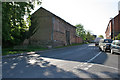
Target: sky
(94, 15)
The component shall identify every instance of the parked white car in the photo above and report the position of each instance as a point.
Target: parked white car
(115, 46)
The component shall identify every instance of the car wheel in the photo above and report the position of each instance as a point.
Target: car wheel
(95, 44)
(104, 50)
(112, 52)
(100, 49)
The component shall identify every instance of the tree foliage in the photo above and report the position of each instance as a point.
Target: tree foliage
(14, 26)
(89, 36)
(118, 37)
(80, 31)
(101, 36)
(85, 35)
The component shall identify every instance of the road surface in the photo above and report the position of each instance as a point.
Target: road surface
(83, 61)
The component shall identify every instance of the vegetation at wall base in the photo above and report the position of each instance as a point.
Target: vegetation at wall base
(74, 44)
(6, 51)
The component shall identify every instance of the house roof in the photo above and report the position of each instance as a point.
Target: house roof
(108, 25)
(111, 21)
(55, 16)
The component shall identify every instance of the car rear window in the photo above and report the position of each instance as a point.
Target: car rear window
(118, 44)
(107, 41)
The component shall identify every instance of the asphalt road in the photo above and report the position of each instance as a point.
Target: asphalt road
(84, 61)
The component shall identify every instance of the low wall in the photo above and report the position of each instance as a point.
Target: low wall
(78, 40)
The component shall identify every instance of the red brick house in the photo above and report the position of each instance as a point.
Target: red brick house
(113, 28)
(108, 32)
(47, 29)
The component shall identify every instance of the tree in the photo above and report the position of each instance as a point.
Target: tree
(80, 31)
(118, 37)
(89, 36)
(101, 36)
(14, 27)
(85, 35)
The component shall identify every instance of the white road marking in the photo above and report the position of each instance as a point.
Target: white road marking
(89, 66)
(107, 66)
(85, 63)
(86, 68)
(94, 57)
(80, 49)
(97, 64)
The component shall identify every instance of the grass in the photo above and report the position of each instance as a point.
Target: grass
(6, 51)
(75, 44)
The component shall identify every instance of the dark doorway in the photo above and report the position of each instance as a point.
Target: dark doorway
(68, 37)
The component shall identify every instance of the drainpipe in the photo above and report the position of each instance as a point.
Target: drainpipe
(113, 29)
(52, 34)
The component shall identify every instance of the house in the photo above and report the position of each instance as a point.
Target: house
(109, 31)
(47, 29)
(113, 28)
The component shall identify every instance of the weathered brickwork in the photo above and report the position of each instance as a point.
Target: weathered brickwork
(78, 39)
(117, 24)
(42, 21)
(50, 30)
(60, 28)
(109, 31)
(73, 38)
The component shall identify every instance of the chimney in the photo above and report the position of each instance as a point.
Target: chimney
(119, 7)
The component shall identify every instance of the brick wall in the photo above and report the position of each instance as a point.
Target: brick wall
(42, 21)
(51, 30)
(117, 24)
(116, 27)
(119, 21)
(109, 31)
(78, 40)
(60, 28)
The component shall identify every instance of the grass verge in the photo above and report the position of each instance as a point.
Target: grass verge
(6, 51)
(75, 44)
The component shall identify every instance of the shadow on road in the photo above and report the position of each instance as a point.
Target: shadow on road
(35, 66)
(77, 53)
(32, 67)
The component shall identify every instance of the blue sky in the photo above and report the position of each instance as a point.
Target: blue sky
(93, 14)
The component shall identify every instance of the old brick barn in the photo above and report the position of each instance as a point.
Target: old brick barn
(47, 29)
